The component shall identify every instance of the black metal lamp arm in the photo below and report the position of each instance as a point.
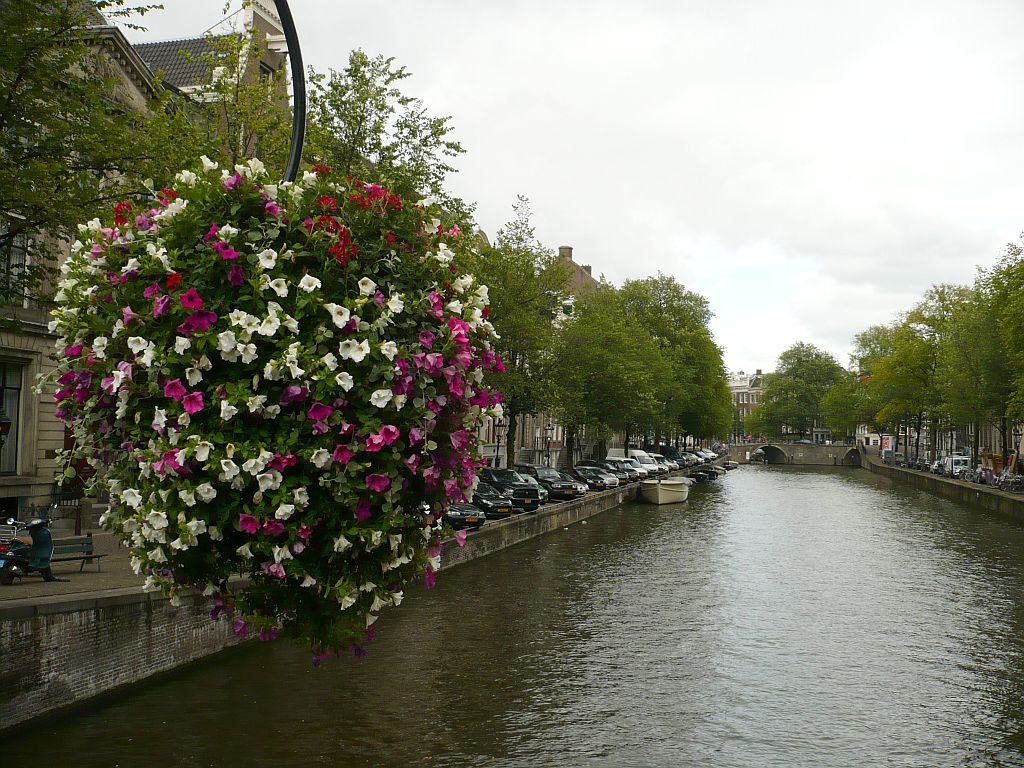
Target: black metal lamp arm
(298, 90)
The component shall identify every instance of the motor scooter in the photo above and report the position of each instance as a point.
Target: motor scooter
(18, 558)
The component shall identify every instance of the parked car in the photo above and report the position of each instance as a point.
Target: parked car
(664, 461)
(494, 504)
(558, 486)
(595, 478)
(611, 468)
(690, 459)
(544, 494)
(953, 466)
(461, 515)
(647, 462)
(640, 468)
(511, 483)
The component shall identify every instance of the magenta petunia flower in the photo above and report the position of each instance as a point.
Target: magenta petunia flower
(197, 322)
(460, 537)
(226, 251)
(231, 181)
(192, 402)
(342, 454)
(248, 523)
(363, 510)
(378, 482)
(153, 289)
(190, 299)
(274, 569)
(319, 412)
(174, 389)
(413, 462)
(236, 275)
(430, 578)
(210, 235)
(427, 339)
(273, 527)
(74, 351)
(293, 393)
(160, 305)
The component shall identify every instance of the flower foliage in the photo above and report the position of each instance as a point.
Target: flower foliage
(281, 381)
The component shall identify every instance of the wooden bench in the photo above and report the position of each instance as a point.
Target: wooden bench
(73, 548)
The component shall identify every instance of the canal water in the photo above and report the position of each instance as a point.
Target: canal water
(782, 617)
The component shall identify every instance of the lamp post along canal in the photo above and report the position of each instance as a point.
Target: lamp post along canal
(549, 430)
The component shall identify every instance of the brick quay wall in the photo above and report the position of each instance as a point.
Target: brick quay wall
(59, 651)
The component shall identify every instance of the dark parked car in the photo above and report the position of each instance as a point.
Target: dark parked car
(558, 485)
(544, 495)
(624, 473)
(524, 496)
(495, 505)
(596, 479)
(464, 516)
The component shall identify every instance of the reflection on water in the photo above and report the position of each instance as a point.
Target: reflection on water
(782, 617)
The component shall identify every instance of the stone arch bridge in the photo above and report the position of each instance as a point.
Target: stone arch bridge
(796, 453)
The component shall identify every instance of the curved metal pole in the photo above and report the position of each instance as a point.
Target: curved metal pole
(291, 168)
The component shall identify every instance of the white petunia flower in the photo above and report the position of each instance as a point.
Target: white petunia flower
(269, 326)
(159, 418)
(381, 397)
(308, 283)
(249, 353)
(455, 307)
(227, 410)
(131, 497)
(279, 286)
(226, 341)
(389, 349)
(244, 551)
(208, 164)
(284, 511)
(188, 497)
(341, 544)
(309, 581)
(156, 520)
(193, 376)
(182, 344)
(367, 286)
(267, 258)
(320, 458)
(354, 350)
(395, 304)
(203, 450)
(206, 493)
(301, 496)
(339, 314)
(330, 361)
(345, 381)
(136, 344)
(229, 469)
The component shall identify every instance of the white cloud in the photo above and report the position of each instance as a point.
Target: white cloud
(819, 164)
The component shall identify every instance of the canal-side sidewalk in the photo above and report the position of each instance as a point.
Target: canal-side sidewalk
(1003, 503)
(113, 571)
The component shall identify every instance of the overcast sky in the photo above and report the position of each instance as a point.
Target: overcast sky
(809, 167)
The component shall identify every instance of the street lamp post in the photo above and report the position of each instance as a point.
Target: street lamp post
(548, 432)
(499, 425)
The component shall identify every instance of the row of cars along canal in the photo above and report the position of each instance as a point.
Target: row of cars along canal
(502, 493)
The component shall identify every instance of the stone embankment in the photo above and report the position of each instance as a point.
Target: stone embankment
(1009, 505)
(61, 644)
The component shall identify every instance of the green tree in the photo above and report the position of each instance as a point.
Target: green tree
(528, 284)
(68, 148)
(606, 372)
(792, 396)
(362, 124)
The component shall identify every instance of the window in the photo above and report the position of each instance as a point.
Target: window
(10, 399)
(13, 253)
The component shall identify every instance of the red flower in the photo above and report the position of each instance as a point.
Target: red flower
(166, 195)
(173, 279)
(321, 170)
(122, 211)
(327, 203)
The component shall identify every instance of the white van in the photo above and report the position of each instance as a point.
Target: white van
(647, 462)
(952, 466)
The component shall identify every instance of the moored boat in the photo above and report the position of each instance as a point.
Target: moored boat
(730, 464)
(668, 491)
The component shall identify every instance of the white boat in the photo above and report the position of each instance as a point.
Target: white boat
(668, 491)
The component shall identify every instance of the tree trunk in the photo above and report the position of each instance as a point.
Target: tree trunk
(917, 437)
(510, 446)
(1004, 436)
(976, 445)
(569, 451)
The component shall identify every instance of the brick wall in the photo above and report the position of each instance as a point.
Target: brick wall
(62, 651)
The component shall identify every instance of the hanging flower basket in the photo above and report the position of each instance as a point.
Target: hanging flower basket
(280, 382)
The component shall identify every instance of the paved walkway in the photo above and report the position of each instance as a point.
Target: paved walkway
(116, 573)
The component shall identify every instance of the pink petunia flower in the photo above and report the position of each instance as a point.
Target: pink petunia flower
(192, 402)
(161, 305)
(378, 482)
(197, 322)
(248, 523)
(231, 181)
(152, 290)
(190, 299)
(460, 537)
(175, 390)
(274, 569)
(273, 527)
(427, 339)
(319, 412)
(430, 578)
(363, 510)
(343, 454)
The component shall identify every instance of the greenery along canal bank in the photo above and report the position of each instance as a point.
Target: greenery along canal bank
(1001, 502)
(60, 651)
